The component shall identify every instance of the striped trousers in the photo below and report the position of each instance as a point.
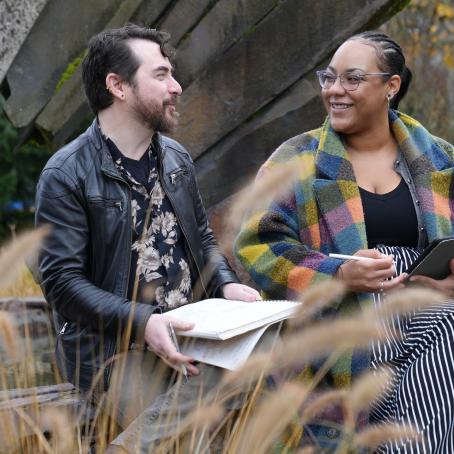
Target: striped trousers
(419, 352)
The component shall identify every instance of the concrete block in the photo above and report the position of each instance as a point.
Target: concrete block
(265, 63)
(67, 106)
(235, 160)
(16, 20)
(183, 17)
(59, 36)
(150, 12)
(221, 28)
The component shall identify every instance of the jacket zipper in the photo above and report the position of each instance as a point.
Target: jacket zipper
(109, 203)
(176, 174)
(119, 204)
(176, 215)
(63, 328)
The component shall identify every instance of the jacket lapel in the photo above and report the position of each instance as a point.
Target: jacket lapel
(431, 167)
(337, 194)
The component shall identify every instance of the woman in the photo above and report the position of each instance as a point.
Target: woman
(375, 184)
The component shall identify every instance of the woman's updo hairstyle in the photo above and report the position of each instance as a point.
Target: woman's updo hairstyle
(390, 59)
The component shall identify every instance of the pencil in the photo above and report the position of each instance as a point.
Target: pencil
(349, 257)
(175, 342)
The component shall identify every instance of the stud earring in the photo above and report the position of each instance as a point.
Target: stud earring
(389, 96)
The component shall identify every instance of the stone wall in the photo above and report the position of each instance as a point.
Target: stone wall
(31, 318)
(17, 18)
(246, 66)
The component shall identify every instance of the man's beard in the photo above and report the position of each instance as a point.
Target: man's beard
(154, 115)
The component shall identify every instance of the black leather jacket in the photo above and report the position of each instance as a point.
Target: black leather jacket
(84, 263)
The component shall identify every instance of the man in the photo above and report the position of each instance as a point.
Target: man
(130, 237)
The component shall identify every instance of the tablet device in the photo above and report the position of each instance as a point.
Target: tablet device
(434, 259)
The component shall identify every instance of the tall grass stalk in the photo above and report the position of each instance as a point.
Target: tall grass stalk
(270, 415)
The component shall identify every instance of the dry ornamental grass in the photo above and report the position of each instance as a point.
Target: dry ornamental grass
(271, 417)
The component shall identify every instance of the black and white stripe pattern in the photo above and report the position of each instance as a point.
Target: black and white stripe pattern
(419, 351)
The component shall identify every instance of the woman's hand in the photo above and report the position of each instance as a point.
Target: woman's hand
(370, 275)
(445, 286)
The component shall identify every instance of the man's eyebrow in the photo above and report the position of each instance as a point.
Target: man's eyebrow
(163, 68)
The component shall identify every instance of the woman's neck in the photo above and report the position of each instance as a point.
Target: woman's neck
(371, 141)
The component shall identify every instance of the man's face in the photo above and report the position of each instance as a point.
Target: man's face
(153, 94)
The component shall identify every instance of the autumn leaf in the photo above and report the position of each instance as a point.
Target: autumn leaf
(444, 11)
(449, 60)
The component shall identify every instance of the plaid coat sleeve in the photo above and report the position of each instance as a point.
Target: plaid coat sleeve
(280, 243)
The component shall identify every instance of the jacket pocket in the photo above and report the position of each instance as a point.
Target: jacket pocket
(177, 174)
(106, 203)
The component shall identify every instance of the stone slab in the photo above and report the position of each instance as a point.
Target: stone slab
(16, 20)
(265, 63)
(60, 116)
(150, 12)
(183, 17)
(235, 160)
(219, 29)
(38, 67)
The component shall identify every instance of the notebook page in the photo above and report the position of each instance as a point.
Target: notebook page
(218, 318)
(228, 354)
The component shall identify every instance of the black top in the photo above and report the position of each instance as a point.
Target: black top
(390, 218)
(163, 262)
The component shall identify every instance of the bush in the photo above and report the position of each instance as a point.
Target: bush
(19, 173)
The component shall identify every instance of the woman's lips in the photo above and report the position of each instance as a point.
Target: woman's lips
(339, 106)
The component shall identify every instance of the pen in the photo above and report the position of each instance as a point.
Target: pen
(175, 342)
(348, 257)
(357, 257)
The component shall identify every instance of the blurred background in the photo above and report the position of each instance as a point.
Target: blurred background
(246, 66)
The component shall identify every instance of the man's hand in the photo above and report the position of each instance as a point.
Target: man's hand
(240, 292)
(445, 286)
(157, 337)
(370, 275)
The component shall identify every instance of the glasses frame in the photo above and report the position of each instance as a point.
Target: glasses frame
(341, 78)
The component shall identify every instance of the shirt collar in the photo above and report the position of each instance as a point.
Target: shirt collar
(115, 152)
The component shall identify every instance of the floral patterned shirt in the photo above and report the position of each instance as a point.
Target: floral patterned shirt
(158, 257)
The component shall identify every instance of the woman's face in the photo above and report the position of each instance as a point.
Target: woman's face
(355, 111)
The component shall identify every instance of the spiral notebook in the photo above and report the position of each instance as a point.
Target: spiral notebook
(221, 319)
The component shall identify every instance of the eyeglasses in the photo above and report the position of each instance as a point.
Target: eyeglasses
(350, 81)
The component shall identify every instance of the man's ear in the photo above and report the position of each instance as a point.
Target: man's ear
(115, 84)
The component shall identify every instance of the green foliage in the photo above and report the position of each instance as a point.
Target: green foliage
(8, 173)
(70, 69)
(425, 30)
(19, 172)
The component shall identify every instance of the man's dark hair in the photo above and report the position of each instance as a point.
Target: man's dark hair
(391, 59)
(109, 52)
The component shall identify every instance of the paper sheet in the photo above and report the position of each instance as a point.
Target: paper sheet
(228, 354)
(218, 318)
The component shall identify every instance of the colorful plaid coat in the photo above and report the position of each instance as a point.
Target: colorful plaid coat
(285, 245)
